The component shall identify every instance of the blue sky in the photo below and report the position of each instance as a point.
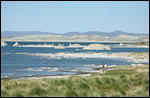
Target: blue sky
(81, 16)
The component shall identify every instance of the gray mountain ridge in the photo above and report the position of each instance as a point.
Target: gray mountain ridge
(109, 34)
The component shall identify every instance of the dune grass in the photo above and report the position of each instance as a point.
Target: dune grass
(115, 83)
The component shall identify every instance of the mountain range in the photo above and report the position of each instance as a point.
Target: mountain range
(98, 33)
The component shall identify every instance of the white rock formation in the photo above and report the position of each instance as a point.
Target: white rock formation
(60, 46)
(75, 46)
(121, 44)
(97, 47)
(39, 45)
(77, 49)
(3, 43)
(16, 44)
(55, 69)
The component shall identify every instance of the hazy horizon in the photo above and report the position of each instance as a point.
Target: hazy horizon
(75, 31)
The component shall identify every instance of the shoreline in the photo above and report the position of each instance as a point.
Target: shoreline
(78, 73)
(123, 78)
(43, 76)
(70, 41)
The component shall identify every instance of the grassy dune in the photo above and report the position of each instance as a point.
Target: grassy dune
(126, 81)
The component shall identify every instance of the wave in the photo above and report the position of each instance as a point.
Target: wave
(131, 57)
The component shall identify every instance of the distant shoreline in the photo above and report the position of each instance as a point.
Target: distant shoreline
(73, 41)
(78, 38)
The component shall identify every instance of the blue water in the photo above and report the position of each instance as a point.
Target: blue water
(16, 64)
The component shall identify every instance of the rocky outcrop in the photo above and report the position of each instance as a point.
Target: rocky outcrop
(74, 46)
(16, 44)
(97, 47)
(3, 43)
(121, 44)
(39, 45)
(60, 46)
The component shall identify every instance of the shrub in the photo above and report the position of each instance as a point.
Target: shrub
(123, 76)
(98, 81)
(106, 80)
(71, 93)
(103, 94)
(115, 95)
(37, 91)
(84, 86)
(18, 94)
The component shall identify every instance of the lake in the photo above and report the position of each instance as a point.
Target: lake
(15, 64)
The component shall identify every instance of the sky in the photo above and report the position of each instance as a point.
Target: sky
(70, 16)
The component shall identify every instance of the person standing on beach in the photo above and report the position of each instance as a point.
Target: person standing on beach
(105, 66)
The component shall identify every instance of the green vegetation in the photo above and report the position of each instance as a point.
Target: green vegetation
(123, 82)
(139, 44)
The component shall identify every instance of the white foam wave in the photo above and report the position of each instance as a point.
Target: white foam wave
(127, 56)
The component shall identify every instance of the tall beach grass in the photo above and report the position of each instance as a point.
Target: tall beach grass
(115, 83)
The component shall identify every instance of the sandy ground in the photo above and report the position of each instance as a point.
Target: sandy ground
(41, 77)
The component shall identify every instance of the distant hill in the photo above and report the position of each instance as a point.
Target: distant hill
(109, 34)
(22, 33)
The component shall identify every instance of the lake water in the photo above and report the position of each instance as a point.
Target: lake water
(17, 65)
